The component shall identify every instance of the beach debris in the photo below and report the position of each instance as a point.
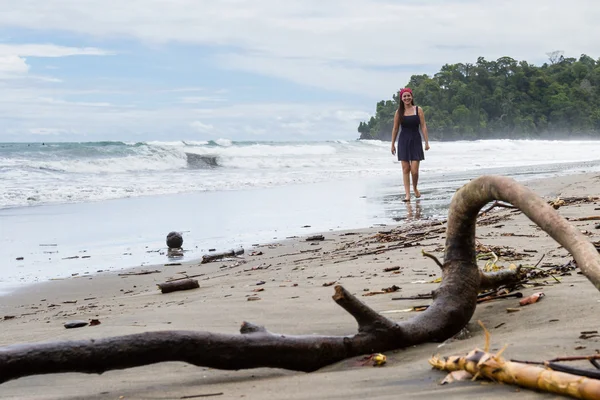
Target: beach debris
(20, 258)
(94, 322)
(423, 296)
(593, 218)
(195, 396)
(456, 376)
(494, 205)
(217, 256)
(185, 277)
(376, 360)
(588, 334)
(574, 200)
(406, 310)
(146, 272)
(499, 295)
(174, 240)
(256, 347)
(330, 283)
(253, 298)
(390, 289)
(7, 317)
(391, 269)
(315, 238)
(308, 251)
(512, 310)
(534, 298)
(557, 203)
(75, 324)
(546, 376)
(183, 284)
(487, 252)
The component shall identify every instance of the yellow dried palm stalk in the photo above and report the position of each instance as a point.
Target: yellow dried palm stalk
(495, 368)
(492, 366)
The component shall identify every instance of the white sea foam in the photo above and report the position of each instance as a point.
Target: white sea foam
(62, 173)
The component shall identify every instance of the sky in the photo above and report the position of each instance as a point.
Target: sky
(141, 70)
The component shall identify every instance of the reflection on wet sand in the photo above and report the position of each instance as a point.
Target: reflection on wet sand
(416, 215)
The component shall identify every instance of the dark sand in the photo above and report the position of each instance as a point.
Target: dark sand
(132, 304)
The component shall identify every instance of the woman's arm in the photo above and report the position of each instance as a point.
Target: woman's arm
(395, 131)
(424, 128)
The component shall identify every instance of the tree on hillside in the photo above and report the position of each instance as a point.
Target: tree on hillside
(505, 98)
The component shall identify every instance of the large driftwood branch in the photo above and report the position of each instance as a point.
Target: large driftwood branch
(454, 302)
(468, 200)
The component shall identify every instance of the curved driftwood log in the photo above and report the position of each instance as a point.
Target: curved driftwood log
(454, 302)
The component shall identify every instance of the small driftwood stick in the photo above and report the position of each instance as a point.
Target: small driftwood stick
(417, 297)
(593, 218)
(140, 273)
(494, 205)
(217, 256)
(174, 286)
(589, 373)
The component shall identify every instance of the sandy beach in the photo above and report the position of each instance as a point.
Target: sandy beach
(291, 284)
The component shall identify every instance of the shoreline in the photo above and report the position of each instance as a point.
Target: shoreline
(295, 276)
(130, 232)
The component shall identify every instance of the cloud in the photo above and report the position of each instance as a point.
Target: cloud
(47, 131)
(200, 99)
(362, 49)
(362, 32)
(29, 112)
(51, 100)
(202, 128)
(49, 50)
(11, 65)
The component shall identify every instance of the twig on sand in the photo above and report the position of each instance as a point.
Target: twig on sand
(140, 273)
(434, 258)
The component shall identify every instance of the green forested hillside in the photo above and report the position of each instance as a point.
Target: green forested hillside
(505, 98)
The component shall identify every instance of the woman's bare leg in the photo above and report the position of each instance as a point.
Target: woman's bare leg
(414, 171)
(406, 179)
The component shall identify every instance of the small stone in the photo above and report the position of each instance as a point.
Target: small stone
(174, 240)
(75, 324)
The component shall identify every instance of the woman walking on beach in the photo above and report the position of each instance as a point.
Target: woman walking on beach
(410, 148)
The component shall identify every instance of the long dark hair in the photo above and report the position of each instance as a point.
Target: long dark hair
(401, 108)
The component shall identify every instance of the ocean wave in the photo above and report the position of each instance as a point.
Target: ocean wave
(66, 172)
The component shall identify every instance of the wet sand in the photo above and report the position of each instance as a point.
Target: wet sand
(295, 301)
